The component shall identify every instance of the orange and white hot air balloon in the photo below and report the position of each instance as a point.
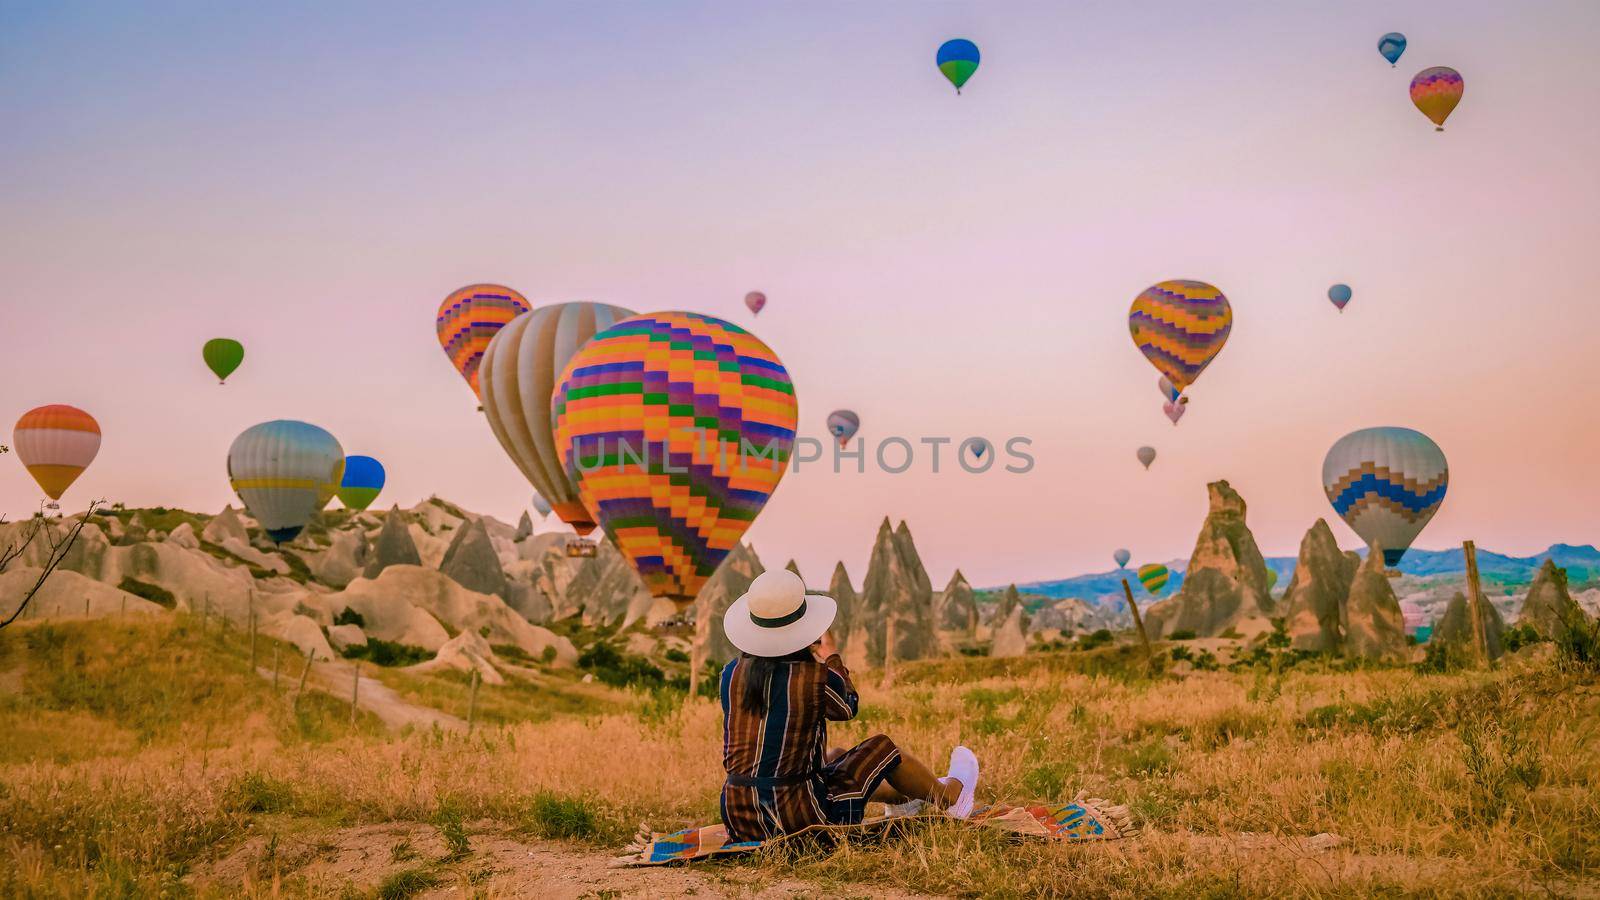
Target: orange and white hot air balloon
(56, 443)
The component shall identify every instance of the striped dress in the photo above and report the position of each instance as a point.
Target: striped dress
(778, 781)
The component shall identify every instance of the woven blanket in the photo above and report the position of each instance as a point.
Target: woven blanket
(1080, 820)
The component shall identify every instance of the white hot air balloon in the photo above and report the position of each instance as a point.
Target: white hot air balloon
(1147, 455)
(1386, 483)
(284, 472)
(1122, 557)
(541, 504)
(516, 378)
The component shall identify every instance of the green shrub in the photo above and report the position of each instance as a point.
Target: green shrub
(257, 793)
(1183, 634)
(406, 884)
(1519, 636)
(673, 654)
(387, 653)
(1096, 639)
(620, 669)
(152, 592)
(348, 616)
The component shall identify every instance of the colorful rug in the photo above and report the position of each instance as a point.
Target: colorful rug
(1080, 820)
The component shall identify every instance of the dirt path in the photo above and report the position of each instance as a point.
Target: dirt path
(498, 864)
(335, 679)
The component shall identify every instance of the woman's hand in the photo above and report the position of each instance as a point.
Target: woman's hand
(825, 647)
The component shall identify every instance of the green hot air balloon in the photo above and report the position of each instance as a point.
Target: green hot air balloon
(222, 356)
(957, 60)
(1153, 577)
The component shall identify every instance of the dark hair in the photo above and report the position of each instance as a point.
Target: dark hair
(758, 672)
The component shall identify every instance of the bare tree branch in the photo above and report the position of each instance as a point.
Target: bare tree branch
(59, 548)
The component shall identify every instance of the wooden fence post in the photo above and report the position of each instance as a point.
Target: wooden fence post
(1480, 640)
(355, 694)
(888, 651)
(472, 702)
(310, 655)
(252, 630)
(277, 651)
(1138, 623)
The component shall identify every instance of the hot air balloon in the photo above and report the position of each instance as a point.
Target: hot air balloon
(1122, 557)
(56, 443)
(676, 428)
(1436, 92)
(957, 59)
(1391, 46)
(284, 472)
(1339, 295)
(1153, 577)
(1147, 455)
(517, 377)
(1386, 483)
(755, 301)
(1174, 411)
(541, 504)
(222, 356)
(1272, 578)
(363, 479)
(843, 425)
(1180, 326)
(1414, 620)
(976, 446)
(1168, 389)
(469, 319)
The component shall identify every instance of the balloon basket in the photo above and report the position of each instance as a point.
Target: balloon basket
(579, 548)
(52, 506)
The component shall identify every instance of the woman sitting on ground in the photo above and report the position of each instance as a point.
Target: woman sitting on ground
(777, 699)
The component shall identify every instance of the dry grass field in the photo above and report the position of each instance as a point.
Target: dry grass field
(146, 759)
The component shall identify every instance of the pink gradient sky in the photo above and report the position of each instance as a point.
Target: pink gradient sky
(313, 181)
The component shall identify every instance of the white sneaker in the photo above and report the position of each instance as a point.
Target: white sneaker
(963, 768)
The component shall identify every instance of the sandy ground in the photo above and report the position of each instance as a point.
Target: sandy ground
(499, 865)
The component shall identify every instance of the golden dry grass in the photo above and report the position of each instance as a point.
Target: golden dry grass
(130, 777)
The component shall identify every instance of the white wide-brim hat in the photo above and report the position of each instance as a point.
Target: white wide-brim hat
(776, 616)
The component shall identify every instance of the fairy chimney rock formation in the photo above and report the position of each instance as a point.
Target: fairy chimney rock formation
(225, 525)
(471, 561)
(1374, 627)
(850, 624)
(1454, 628)
(524, 527)
(394, 546)
(897, 587)
(1010, 639)
(1549, 606)
(958, 609)
(1009, 600)
(727, 584)
(1225, 585)
(1314, 601)
(608, 589)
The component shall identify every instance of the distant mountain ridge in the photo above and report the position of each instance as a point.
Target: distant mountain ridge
(1581, 560)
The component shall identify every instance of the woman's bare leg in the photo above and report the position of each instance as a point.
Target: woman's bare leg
(914, 779)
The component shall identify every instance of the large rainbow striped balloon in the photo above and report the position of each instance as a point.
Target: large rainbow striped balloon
(56, 443)
(676, 428)
(1180, 326)
(1386, 483)
(468, 320)
(1436, 92)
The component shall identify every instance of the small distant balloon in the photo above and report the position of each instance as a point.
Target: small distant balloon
(755, 301)
(55, 444)
(541, 504)
(976, 446)
(1391, 46)
(222, 356)
(363, 480)
(1272, 578)
(1436, 92)
(1154, 577)
(957, 59)
(1122, 557)
(843, 425)
(1174, 411)
(1147, 455)
(1168, 389)
(1339, 295)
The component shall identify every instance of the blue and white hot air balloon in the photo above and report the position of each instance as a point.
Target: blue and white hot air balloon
(1386, 483)
(285, 472)
(1391, 46)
